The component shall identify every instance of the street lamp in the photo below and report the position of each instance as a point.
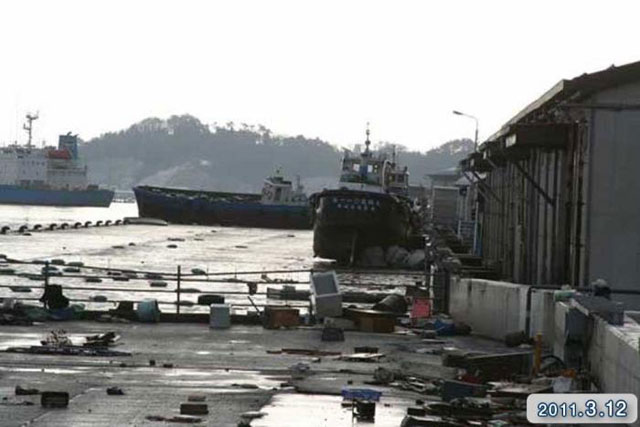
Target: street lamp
(475, 141)
(477, 205)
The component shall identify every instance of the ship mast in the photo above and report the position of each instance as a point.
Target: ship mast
(29, 127)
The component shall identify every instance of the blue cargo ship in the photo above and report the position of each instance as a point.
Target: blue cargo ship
(279, 206)
(15, 195)
(52, 176)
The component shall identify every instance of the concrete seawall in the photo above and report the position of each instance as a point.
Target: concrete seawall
(614, 356)
(493, 309)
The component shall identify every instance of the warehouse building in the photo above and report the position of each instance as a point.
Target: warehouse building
(558, 186)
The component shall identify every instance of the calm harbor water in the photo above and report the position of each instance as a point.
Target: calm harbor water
(147, 248)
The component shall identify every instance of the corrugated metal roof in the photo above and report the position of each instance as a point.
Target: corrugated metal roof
(579, 88)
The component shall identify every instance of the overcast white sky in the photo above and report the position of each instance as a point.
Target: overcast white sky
(320, 68)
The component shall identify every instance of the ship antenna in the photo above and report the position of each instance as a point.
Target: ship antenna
(29, 127)
(367, 142)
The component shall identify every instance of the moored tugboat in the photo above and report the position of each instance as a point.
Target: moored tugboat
(370, 207)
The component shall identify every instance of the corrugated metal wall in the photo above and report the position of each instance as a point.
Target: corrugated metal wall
(529, 238)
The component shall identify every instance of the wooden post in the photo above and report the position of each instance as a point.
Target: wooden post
(537, 353)
(178, 292)
(46, 274)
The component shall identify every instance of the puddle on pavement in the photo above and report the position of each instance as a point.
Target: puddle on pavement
(218, 378)
(312, 410)
(46, 370)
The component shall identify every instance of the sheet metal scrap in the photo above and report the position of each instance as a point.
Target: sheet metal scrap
(175, 419)
(304, 352)
(463, 409)
(68, 350)
(101, 340)
(57, 338)
(362, 357)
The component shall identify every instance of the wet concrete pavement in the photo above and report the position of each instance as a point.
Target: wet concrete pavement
(231, 367)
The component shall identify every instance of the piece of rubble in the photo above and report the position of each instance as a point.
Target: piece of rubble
(26, 391)
(194, 409)
(251, 415)
(115, 391)
(54, 399)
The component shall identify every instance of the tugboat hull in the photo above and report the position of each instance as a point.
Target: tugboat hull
(217, 208)
(347, 221)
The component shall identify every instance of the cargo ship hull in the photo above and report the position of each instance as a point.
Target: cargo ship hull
(347, 221)
(218, 208)
(15, 195)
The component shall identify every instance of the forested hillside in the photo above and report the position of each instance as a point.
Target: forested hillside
(183, 152)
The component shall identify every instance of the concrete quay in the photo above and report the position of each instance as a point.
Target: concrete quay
(232, 368)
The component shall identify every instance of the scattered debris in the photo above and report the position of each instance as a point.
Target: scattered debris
(361, 394)
(305, 352)
(115, 391)
(392, 303)
(194, 409)
(54, 399)
(383, 375)
(364, 410)
(26, 391)
(102, 340)
(372, 320)
(176, 419)
(56, 339)
(276, 317)
(158, 284)
(208, 299)
(495, 367)
(518, 391)
(362, 357)
(251, 415)
(300, 370)
(326, 297)
(57, 343)
(332, 334)
(454, 389)
(365, 349)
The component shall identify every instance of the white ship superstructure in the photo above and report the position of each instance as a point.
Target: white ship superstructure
(47, 175)
(49, 167)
